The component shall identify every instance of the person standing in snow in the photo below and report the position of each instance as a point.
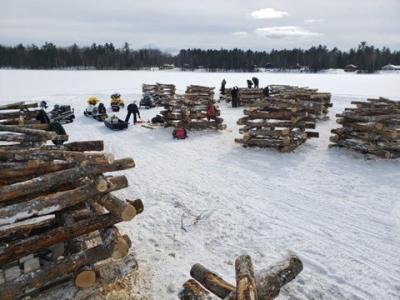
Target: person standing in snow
(249, 83)
(266, 91)
(235, 96)
(222, 89)
(255, 81)
(132, 109)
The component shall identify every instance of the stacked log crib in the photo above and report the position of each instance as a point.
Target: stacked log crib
(276, 123)
(316, 103)
(371, 128)
(190, 110)
(53, 200)
(248, 286)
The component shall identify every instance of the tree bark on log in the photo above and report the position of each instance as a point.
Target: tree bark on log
(211, 281)
(23, 171)
(18, 105)
(270, 282)
(193, 291)
(246, 288)
(118, 207)
(77, 146)
(17, 114)
(64, 177)
(120, 246)
(48, 135)
(54, 202)
(50, 155)
(19, 138)
(25, 228)
(18, 249)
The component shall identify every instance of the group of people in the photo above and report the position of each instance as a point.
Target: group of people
(235, 90)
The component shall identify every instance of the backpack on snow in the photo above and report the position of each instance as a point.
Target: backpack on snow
(179, 133)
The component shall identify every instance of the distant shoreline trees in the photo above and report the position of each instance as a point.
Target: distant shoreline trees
(107, 57)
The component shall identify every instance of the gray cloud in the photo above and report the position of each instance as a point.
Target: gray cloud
(179, 24)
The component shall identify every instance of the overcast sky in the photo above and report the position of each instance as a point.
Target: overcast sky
(172, 25)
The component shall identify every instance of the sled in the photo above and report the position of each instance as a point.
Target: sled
(121, 125)
(150, 126)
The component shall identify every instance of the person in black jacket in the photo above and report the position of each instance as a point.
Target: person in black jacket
(256, 82)
(235, 96)
(222, 89)
(249, 84)
(266, 91)
(132, 109)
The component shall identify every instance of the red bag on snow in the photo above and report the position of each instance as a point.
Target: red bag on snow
(179, 133)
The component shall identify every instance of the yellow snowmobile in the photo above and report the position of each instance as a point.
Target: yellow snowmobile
(116, 102)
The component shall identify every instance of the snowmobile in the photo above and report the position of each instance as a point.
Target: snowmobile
(62, 114)
(95, 112)
(116, 102)
(114, 123)
(147, 101)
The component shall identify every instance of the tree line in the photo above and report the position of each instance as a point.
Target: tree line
(48, 56)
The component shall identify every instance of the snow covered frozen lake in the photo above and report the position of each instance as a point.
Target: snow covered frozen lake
(339, 212)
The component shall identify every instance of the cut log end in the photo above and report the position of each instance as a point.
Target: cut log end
(85, 277)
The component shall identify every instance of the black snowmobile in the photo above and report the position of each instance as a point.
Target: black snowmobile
(147, 101)
(114, 123)
(62, 114)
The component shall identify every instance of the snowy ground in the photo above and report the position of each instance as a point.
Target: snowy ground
(339, 212)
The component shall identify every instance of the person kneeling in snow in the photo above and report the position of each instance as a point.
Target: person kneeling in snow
(211, 111)
(132, 109)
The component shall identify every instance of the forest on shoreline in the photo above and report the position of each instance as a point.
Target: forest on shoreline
(366, 57)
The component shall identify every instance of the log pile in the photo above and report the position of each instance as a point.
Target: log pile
(190, 110)
(276, 123)
(371, 128)
(317, 103)
(246, 96)
(197, 99)
(57, 212)
(164, 93)
(266, 284)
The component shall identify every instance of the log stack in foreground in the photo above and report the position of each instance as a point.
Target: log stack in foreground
(266, 284)
(372, 128)
(53, 200)
(276, 123)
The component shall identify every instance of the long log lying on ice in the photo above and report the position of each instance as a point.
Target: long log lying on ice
(368, 118)
(271, 281)
(20, 248)
(34, 280)
(54, 202)
(211, 281)
(246, 288)
(56, 179)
